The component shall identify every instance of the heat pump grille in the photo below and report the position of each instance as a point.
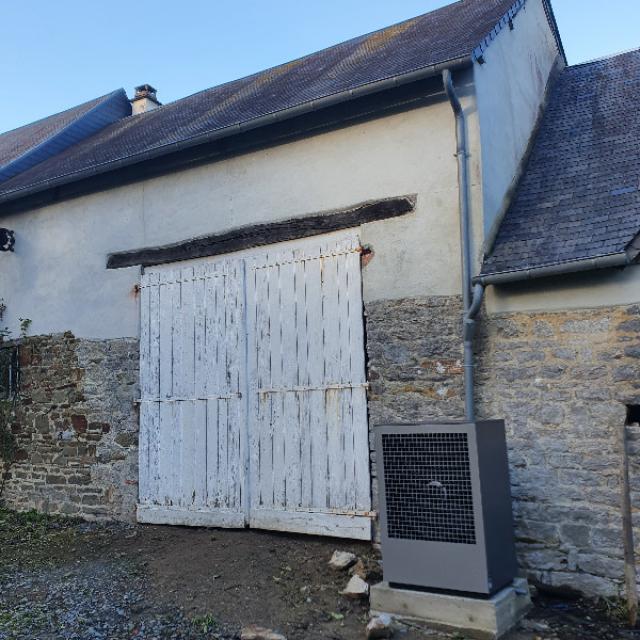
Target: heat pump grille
(428, 487)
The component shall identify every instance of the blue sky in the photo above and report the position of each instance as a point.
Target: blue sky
(56, 54)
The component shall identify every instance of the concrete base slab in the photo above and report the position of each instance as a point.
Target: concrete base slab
(477, 618)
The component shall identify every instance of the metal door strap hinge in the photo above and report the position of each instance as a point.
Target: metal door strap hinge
(227, 396)
(322, 387)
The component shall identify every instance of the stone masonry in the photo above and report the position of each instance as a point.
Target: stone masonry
(414, 364)
(414, 359)
(76, 427)
(561, 381)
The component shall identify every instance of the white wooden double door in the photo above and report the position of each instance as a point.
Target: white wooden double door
(253, 408)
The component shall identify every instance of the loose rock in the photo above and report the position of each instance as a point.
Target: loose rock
(533, 625)
(356, 588)
(254, 632)
(379, 627)
(359, 569)
(341, 560)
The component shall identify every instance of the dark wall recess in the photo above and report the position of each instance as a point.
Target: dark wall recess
(264, 234)
(633, 414)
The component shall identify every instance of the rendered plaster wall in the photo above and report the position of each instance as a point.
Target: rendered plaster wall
(76, 428)
(605, 288)
(510, 90)
(57, 275)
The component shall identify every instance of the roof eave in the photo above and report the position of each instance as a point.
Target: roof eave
(551, 17)
(610, 261)
(251, 125)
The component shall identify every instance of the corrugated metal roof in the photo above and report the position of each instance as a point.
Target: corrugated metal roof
(579, 197)
(447, 34)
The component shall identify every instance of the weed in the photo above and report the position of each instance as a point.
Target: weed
(614, 608)
(25, 325)
(20, 624)
(205, 623)
(5, 333)
(32, 539)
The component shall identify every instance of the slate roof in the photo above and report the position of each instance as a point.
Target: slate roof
(447, 34)
(27, 146)
(579, 196)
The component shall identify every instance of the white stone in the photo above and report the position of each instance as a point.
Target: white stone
(356, 588)
(341, 560)
(254, 632)
(379, 627)
(534, 625)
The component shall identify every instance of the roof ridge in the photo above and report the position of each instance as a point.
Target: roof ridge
(610, 56)
(102, 111)
(408, 51)
(97, 100)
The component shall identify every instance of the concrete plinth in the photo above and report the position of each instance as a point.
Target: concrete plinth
(478, 618)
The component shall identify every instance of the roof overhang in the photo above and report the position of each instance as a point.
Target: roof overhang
(161, 158)
(371, 90)
(611, 261)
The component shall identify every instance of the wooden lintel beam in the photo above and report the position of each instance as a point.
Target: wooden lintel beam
(267, 233)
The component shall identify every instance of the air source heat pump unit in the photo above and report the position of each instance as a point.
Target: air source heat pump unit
(445, 505)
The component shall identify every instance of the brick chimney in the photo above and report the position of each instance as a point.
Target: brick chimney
(144, 99)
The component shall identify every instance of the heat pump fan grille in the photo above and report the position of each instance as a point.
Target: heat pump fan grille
(428, 487)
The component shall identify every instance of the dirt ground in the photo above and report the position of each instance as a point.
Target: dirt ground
(62, 579)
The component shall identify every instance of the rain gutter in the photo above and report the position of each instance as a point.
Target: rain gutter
(256, 123)
(480, 283)
(613, 260)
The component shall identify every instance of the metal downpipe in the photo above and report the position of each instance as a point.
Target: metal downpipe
(470, 325)
(463, 185)
(471, 306)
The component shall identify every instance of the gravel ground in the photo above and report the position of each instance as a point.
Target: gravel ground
(59, 580)
(67, 580)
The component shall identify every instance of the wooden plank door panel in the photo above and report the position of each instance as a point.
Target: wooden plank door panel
(253, 388)
(192, 406)
(308, 433)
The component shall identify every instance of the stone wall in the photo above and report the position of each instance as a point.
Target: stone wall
(76, 428)
(414, 364)
(562, 381)
(414, 352)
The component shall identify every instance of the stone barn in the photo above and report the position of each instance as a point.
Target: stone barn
(211, 303)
